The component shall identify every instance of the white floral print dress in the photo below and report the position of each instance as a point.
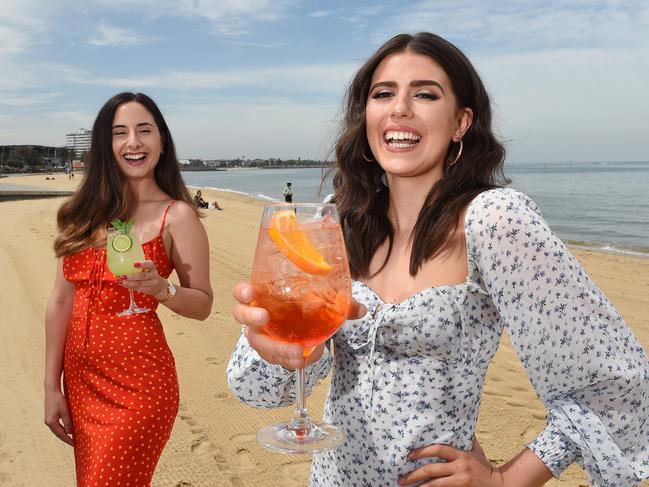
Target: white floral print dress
(411, 374)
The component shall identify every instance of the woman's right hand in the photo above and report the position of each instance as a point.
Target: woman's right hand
(57, 411)
(288, 355)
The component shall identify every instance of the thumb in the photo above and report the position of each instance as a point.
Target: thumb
(356, 310)
(67, 423)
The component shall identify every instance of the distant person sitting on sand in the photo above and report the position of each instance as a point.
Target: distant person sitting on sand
(288, 193)
(201, 203)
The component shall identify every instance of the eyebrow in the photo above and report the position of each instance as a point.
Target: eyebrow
(141, 124)
(415, 84)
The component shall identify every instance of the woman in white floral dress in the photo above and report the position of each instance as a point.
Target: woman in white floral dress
(443, 258)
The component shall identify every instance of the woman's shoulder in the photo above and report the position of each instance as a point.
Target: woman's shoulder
(181, 214)
(500, 211)
(180, 208)
(499, 202)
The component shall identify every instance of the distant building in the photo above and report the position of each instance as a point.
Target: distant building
(79, 141)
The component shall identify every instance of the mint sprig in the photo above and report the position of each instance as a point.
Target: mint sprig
(123, 227)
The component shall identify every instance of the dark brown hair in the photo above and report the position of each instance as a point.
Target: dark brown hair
(362, 198)
(103, 194)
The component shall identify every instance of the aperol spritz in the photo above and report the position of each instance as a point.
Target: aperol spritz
(301, 277)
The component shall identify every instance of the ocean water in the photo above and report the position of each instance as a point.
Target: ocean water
(603, 205)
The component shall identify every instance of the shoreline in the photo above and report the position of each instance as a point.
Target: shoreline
(35, 180)
(603, 247)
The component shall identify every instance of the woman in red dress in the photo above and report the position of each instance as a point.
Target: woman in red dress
(120, 391)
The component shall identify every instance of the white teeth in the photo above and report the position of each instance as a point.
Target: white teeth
(394, 135)
(134, 157)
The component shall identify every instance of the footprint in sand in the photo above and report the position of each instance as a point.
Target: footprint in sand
(188, 419)
(518, 388)
(516, 404)
(221, 395)
(539, 415)
(213, 360)
(202, 445)
(490, 391)
(244, 460)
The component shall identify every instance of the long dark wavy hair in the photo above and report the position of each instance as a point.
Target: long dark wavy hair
(362, 199)
(104, 194)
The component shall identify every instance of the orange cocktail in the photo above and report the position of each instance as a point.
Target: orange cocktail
(301, 277)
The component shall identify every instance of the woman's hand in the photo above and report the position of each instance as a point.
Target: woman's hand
(288, 355)
(148, 281)
(57, 416)
(461, 469)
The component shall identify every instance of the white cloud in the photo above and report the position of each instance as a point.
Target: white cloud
(319, 14)
(26, 100)
(48, 129)
(228, 17)
(21, 24)
(326, 78)
(13, 40)
(526, 24)
(108, 35)
(18, 76)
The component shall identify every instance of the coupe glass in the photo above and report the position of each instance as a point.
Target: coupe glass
(301, 277)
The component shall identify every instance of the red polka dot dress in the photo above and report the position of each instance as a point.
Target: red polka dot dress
(119, 374)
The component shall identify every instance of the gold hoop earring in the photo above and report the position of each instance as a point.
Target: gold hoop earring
(457, 156)
(365, 157)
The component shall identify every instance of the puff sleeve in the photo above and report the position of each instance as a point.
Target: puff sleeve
(584, 362)
(260, 384)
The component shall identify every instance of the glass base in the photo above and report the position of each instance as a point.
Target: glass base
(133, 311)
(322, 437)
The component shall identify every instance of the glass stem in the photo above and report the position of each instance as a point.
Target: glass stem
(301, 423)
(132, 296)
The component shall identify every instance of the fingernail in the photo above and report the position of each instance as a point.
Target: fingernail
(258, 315)
(246, 294)
(136, 265)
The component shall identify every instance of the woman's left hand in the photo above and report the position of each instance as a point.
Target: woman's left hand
(461, 469)
(148, 281)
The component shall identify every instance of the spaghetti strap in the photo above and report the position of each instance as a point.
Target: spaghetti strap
(164, 217)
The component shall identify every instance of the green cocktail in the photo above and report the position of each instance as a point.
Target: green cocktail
(123, 249)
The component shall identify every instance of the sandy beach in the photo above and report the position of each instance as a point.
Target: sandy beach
(213, 441)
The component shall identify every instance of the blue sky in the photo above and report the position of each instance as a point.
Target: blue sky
(265, 78)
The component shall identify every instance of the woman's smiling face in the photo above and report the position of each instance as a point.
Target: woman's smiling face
(137, 142)
(412, 116)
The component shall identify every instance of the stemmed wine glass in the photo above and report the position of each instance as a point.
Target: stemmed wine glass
(301, 277)
(123, 249)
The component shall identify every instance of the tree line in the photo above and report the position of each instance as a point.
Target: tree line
(34, 158)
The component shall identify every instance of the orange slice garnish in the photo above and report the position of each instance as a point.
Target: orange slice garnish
(288, 236)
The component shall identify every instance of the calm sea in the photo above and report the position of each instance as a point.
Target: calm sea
(595, 204)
